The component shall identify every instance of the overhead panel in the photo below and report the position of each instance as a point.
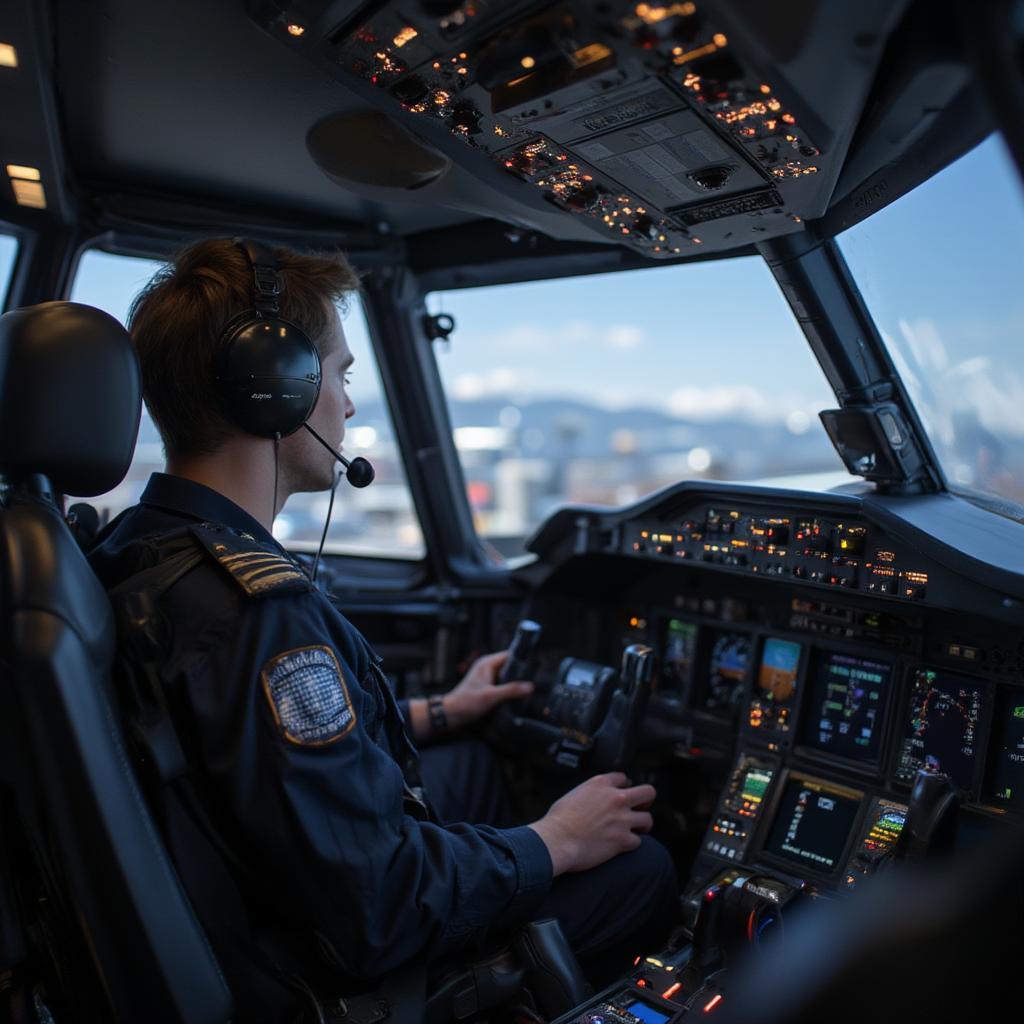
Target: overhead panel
(645, 122)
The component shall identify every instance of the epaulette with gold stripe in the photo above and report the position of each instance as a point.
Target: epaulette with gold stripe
(260, 570)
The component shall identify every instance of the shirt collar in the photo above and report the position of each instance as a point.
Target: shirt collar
(185, 497)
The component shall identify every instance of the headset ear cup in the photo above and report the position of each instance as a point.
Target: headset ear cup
(269, 375)
(268, 371)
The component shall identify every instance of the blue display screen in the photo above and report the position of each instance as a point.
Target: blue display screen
(648, 1014)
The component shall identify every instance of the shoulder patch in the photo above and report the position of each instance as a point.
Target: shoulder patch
(258, 569)
(308, 696)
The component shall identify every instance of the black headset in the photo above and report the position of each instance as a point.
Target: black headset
(268, 371)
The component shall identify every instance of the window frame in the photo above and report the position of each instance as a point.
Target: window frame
(8, 290)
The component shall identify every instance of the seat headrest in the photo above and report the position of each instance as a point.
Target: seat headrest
(70, 397)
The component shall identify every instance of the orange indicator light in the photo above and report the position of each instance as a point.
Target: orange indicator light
(670, 992)
(714, 1002)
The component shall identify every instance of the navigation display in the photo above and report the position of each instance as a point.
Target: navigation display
(813, 823)
(772, 703)
(1008, 751)
(728, 660)
(678, 659)
(941, 733)
(846, 707)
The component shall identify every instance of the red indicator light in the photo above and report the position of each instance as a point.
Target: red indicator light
(670, 992)
(636, 961)
(714, 1002)
(642, 983)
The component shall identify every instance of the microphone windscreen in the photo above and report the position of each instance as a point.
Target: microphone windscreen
(360, 473)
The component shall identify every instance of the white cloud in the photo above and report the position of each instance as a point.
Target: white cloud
(729, 401)
(525, 336)
(990, 393)
(499, 380)
(624, 336)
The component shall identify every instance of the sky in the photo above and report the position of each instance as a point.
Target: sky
(940, 269)
(702, 341)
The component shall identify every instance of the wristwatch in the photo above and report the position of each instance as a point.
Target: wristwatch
(436, 714)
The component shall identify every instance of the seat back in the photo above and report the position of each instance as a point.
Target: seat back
(69, 382)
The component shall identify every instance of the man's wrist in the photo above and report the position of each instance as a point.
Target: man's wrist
(437, 715)
(426, 725)
(456, 712)
(562, 851)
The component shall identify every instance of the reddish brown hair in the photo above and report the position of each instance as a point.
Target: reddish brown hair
(176, 322)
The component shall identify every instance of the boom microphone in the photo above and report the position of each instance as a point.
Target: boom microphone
(358, 471)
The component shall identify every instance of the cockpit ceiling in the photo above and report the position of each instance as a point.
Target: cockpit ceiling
(662, 131)
(660, 126)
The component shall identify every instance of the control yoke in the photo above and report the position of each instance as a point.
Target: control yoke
(615, 741)
(592, 717)
(522, 660)
(930, 826)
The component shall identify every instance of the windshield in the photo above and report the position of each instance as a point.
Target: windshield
(941, 270)
(602, 389)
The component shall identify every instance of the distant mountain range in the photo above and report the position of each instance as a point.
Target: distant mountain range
(567, 428)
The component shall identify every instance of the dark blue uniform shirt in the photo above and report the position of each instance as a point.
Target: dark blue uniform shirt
(301, 744)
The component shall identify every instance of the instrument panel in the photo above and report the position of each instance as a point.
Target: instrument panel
(824, 655)
(882, 714)
(831, 728)
(829, 551)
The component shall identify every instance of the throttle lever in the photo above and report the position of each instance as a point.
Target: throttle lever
(616, 739)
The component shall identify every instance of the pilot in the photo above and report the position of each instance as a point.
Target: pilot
(307, 766)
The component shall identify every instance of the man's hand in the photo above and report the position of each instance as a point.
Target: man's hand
(480, 693)
(477, 694)
(594, 822)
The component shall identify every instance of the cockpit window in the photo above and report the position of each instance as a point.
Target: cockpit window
(940, 270)
(8, 254)
(600, 390)
(379, 520)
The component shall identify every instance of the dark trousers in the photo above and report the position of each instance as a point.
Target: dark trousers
(610, 914)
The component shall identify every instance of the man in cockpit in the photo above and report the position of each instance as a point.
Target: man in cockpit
(306, 763)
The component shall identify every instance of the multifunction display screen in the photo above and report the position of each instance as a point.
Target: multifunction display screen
(772, 704)
(1008, 752)
(742, 803)
(813, 823)
(643, 1012)
(727, 661)
(680, 651)
(846, 707)
(879, 836)
(941, 733)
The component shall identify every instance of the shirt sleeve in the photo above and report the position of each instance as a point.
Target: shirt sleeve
(298, 760)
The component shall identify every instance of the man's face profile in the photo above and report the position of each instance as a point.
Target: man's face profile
(309, 467)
